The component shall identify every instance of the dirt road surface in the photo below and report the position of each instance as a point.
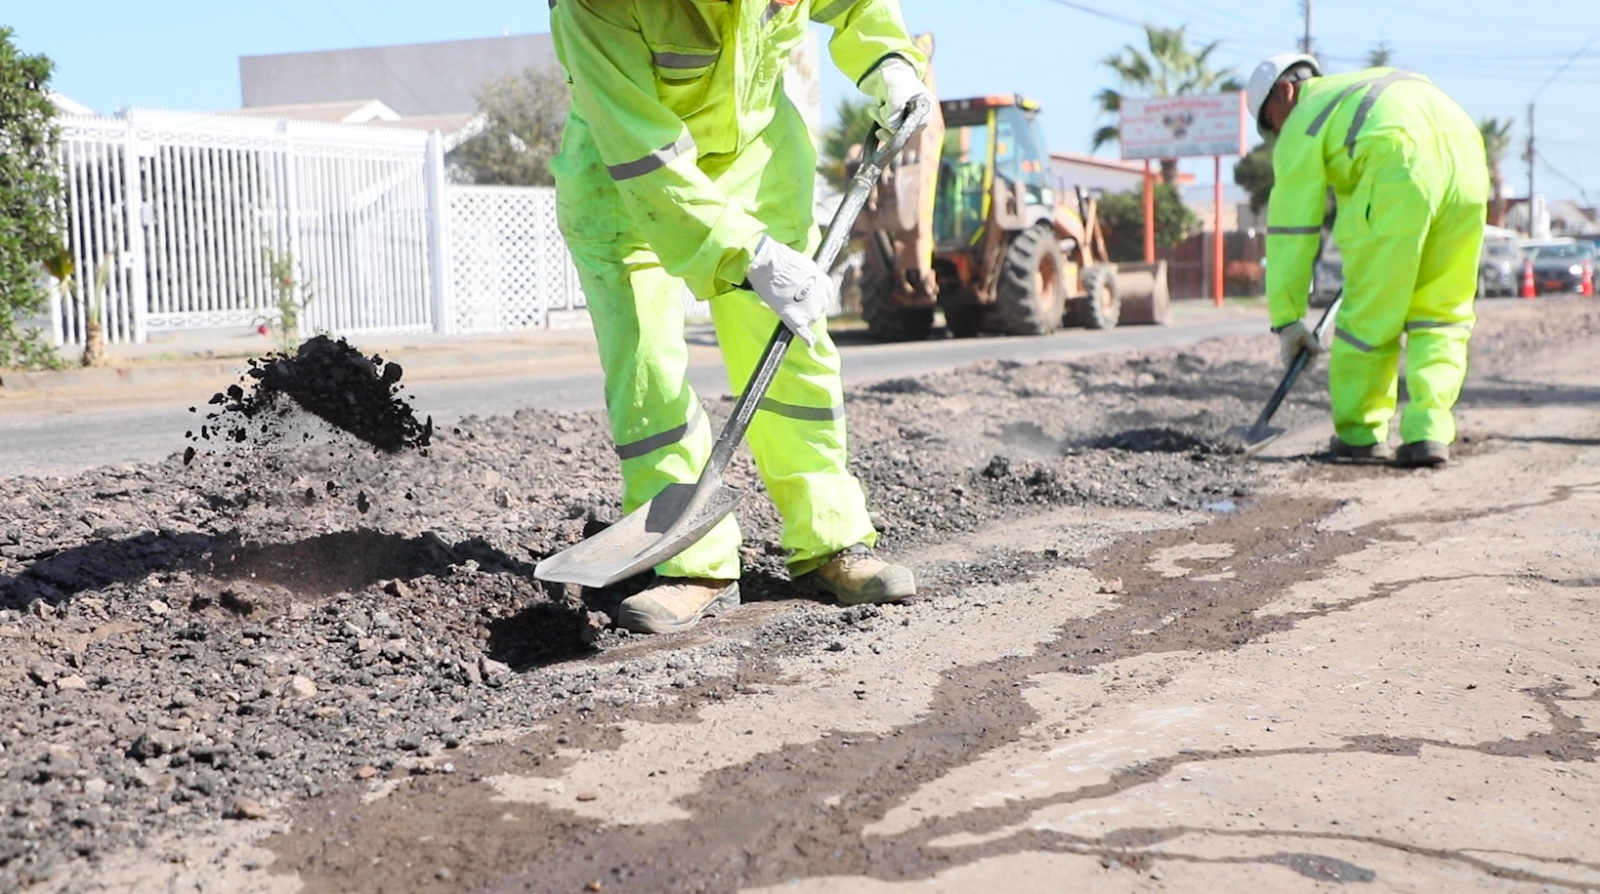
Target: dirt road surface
(1139, 663)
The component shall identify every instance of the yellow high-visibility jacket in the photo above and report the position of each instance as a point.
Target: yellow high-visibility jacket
(669, 92)
(1377, 137)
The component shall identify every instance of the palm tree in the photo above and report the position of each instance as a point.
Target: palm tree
(1381, 54)
(852, 119)
(1496, 142)
(1167, 67)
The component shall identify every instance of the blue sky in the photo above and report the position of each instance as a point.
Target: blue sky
(1492, 56)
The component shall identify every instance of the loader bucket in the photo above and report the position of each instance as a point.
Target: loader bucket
(1145, 299)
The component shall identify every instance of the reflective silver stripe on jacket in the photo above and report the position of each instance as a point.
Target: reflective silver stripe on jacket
(1354, 342)
(1430, 324)
(685, 60)
(1378, 85)
(652, 162)
(1294, 231)
(664, 439)
(1365, 108)
(1328, 110)
(832, 10)
(807, 414)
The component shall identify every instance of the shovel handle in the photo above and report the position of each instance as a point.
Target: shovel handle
(877, 157)
(1296, 367)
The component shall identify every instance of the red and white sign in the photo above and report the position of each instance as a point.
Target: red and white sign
(1178, 126)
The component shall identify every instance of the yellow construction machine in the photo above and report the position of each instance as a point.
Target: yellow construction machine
(968, 223)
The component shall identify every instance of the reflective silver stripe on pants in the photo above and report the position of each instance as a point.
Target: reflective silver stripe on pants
(1430, 324)
(685, 60)
(807, 414)
(652, 162)
(664, 439)
(1294, 231)
(832, 11)
(1354, 342)
(1365, 108)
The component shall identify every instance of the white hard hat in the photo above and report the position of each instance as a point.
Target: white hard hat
(1267, 74)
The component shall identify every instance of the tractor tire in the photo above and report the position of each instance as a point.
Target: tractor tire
(1101, 306)
(885, 320)
(1031, 295)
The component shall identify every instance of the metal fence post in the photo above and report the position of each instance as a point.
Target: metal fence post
(136, 263)
(291, 210)
(444, 317)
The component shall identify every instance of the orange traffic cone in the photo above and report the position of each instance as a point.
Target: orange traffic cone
(1527, 278)
(1586, 284)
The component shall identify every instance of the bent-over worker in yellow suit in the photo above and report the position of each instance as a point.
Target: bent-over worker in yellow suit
(1409, 175)
(684, 163)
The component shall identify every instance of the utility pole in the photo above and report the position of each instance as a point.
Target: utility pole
(1529, 157)
(1305, 42)
(1532, 158)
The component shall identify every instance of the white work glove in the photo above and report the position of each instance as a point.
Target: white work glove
(792, 284)
(1295, 336)
(894, 84)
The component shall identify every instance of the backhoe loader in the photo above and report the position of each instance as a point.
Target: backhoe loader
(968, 223)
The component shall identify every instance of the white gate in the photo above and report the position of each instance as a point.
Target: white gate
(193, 209)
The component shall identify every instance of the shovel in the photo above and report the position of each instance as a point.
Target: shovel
(682, 513)
(1258, 435)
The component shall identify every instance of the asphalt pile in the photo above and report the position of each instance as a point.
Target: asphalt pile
(330, 379)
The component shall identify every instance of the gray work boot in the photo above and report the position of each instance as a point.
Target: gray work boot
(676, 603)
(1362, 453)
(1422, 453)
(856, 577)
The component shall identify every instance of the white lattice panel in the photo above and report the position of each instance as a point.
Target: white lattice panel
(509, 266)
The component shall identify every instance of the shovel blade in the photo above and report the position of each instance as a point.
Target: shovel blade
(1252, 439)
(645, 537)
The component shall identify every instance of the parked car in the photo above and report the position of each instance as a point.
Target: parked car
(1561, 266)
(1499, 268)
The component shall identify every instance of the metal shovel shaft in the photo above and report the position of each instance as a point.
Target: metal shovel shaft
(682, 513)
(1259, 434)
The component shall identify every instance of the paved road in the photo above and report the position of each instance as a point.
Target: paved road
(64, 436)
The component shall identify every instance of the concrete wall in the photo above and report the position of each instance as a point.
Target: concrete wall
(413, 79)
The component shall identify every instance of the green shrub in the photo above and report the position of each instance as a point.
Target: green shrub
(31, 200)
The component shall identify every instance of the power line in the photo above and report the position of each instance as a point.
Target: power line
(1124, 20)
(1563, 66)
(340, 16)
(1559, 173)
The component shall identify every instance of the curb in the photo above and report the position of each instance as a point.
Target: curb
(133, 376)
(216, 373)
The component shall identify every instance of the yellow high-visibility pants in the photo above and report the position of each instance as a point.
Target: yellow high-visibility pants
(1410, 268)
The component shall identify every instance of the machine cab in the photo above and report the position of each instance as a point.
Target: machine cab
(992, 147)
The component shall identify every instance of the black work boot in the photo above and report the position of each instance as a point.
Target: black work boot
(1419, 454)
(856, 577)
(1363, 453)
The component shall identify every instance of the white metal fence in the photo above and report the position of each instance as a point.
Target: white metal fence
(191, 212)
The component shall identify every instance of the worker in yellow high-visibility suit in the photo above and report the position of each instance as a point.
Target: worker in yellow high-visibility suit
(1409, 175)
(684, 163)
